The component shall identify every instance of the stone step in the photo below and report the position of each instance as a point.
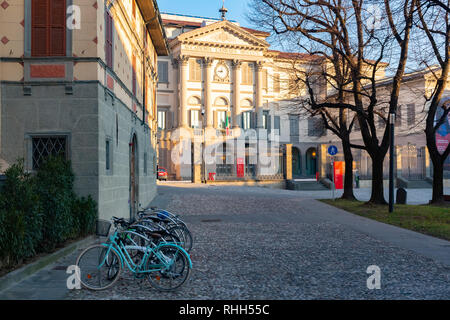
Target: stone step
(305, 185)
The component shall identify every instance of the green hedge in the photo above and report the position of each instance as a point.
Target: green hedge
(40, 212)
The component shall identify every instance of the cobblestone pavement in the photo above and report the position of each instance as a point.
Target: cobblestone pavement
(257, 243)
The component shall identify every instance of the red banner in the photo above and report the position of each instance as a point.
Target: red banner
(339, 169)
(240, 167)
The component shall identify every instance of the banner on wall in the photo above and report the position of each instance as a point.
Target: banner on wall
(443, 132)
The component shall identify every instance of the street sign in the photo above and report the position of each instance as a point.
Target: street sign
(332, 150)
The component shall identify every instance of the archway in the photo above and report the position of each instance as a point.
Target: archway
(311, 162)
(134, 177)
(296, 162)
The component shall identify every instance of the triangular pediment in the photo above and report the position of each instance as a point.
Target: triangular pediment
(223, 33)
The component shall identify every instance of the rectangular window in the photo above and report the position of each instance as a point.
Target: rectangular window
(221, 119)
(107, 154)
(276, 83)
(195, 70)
(246, 120)
(411, 109)
(265, 76)
(163, 72)
(315, 127)
(398, 117)
(195, 119)
(145, 163)
(48, 28)
(109, 39)
(292, 87)
(162, 120)
(265, 119)
(45, 146)
(293, 126)
(276, 123)
(247, 74)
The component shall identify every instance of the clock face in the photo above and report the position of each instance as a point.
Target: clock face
(222, 71)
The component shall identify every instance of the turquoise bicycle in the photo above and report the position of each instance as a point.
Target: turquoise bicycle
(166, 265)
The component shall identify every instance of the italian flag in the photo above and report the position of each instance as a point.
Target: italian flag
(227, 124)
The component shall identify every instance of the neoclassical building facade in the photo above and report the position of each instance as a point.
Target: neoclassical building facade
(225, 78)
(222, 82)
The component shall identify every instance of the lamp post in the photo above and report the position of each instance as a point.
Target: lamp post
(391, 161)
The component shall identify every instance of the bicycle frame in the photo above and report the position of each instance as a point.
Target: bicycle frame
(124, 256)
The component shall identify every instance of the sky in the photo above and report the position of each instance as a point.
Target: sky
(207, 8)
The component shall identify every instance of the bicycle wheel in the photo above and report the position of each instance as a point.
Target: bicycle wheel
(98, 271)
(173, 268)
(184, 234)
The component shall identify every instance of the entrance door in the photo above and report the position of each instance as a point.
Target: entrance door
(134, 178)
(296, 171)
(311, 162)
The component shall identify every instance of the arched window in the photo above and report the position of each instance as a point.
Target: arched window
(246, 103)
(194, 101)
(221, 102)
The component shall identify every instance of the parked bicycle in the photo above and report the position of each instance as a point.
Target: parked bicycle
(165, 264)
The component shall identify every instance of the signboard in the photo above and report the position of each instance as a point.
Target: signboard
(240, 167)
(443, 132)
(339, 168)
(332, 150)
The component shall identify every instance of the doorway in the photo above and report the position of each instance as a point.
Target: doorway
(311, 162)
(296, 162)
(134, 178)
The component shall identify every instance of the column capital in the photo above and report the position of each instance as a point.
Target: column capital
(183, 60)
(207, 61)
(175, 63)
(259, 65)
(236, 64)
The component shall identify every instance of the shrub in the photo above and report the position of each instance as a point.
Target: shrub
(41, 212)
(20, 215)
(84, 211)
(54, 181)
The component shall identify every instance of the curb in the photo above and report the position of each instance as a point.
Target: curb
(20, 274)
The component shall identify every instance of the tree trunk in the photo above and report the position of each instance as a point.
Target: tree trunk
(377, 196)
(348, 178)
(438, 181)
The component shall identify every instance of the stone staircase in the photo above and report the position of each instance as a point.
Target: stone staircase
(305, 185)
(413, 184)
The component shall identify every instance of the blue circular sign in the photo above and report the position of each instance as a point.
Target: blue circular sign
(332, 150)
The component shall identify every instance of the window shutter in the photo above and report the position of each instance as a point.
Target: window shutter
(276, 123)
(253, 120)
(169, 119)
(269, 123)
(133, 71)
(57, 36)
(109, 39)
(39, 27)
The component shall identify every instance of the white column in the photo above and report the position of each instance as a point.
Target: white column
(259, 92)
(183, 90)
(236, 64)
(207, 66)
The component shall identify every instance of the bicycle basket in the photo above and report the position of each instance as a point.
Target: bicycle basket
(103, 228)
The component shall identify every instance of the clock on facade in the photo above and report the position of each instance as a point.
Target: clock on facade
(221, 72)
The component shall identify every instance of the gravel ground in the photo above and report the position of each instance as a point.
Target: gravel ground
(254, 243)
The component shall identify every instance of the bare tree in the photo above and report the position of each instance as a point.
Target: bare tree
(333, 72)
(362, 47)
(434, 24)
